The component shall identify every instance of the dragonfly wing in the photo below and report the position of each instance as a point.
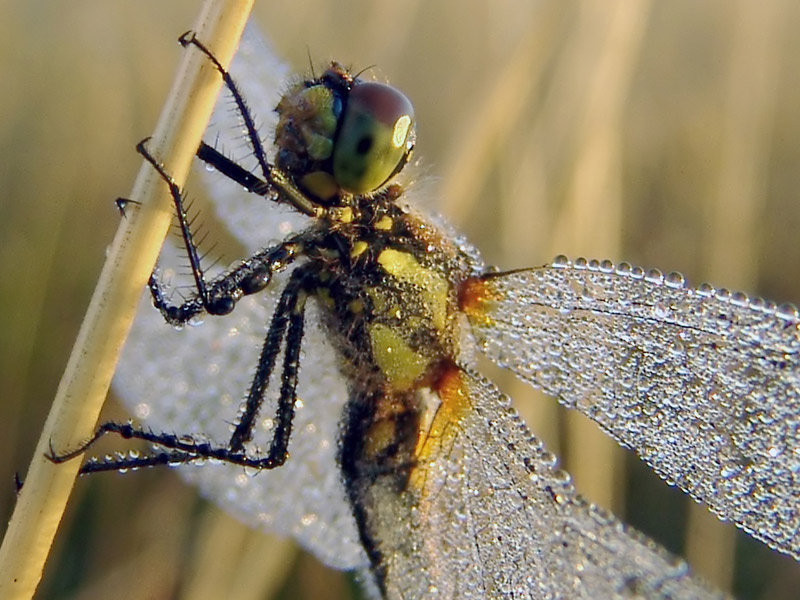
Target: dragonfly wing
(194, 381)
(496, 518)
(703, 384)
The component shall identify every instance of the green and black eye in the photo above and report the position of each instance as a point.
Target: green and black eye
(375, 137)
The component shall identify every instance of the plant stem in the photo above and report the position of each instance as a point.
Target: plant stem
(81, 393)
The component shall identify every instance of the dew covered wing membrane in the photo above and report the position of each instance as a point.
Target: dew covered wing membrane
(704, 385)
(495, 518)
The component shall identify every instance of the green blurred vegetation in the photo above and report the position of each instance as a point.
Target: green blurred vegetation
(666, 134)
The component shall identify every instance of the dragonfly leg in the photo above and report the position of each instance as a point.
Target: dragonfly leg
(248, 277)
(216, 305)
(287, 325)
(174, 450)
(273, 180)
(219, 296)
(254, 140)
(289, 313)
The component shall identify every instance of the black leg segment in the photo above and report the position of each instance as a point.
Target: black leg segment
(287, 326)
(189, 38)
(289, 313)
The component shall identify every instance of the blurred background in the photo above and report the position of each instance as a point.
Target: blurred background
(665, 134)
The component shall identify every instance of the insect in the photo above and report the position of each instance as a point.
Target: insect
(440, 490)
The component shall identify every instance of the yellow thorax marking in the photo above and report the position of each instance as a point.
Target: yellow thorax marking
(384, 223)
(401, 365)
(433, 287)
(358, 248)
(342, 214)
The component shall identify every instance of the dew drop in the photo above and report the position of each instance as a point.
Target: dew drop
(560, 262)
(705, 290)
(787, 312)
(654, 276)
(142, 410)
(624, 268)
(675, 280)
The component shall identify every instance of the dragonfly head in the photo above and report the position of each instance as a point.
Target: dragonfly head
(340, 134)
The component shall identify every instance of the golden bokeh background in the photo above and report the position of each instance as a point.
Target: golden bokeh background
(665, 134)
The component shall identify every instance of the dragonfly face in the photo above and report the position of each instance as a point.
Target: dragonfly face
(340, 133)
(409, 465)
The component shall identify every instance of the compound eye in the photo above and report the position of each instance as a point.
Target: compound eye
(375, 138)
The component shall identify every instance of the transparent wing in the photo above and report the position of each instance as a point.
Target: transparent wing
(495, 518)
(704, 385)
(194, 380)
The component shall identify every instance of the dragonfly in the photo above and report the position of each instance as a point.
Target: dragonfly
(446, 493)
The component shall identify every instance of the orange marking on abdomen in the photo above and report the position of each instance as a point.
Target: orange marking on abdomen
(454, 404)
